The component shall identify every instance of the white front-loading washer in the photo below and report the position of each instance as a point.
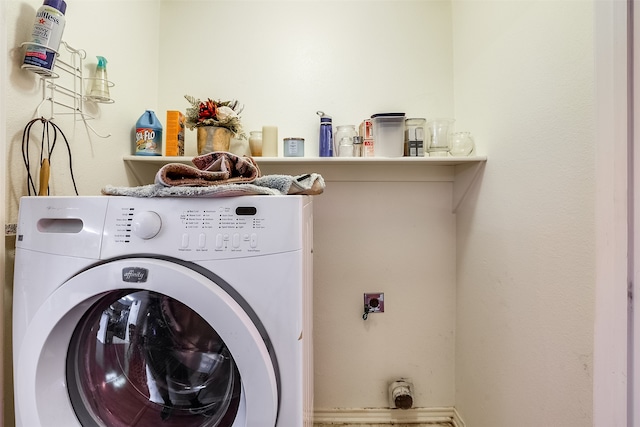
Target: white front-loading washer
(163, 312)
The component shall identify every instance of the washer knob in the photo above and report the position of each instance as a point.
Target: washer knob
(147, 224)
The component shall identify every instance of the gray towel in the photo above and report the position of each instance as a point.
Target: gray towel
(310, 184)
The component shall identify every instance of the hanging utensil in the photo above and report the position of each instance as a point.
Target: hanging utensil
(49, 136)
(44, 178)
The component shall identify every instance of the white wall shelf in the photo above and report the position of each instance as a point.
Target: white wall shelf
(462, 171)
(433, 161)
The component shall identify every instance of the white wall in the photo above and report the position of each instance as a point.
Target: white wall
(285, 60)
(378, 244)
(524, 79)
(512, 344)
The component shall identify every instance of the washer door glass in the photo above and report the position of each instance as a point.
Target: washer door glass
(141, 358)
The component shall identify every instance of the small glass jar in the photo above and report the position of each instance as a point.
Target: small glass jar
(293, 147)
(255, 143)
(414, 137)
(345, 149)
(462, 144)
(344, 140)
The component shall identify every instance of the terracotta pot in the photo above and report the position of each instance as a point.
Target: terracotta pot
(213, 138)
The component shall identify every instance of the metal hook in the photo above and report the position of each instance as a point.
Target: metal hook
(40, 105)
(92, 129)
(367, 310)
(81, 52)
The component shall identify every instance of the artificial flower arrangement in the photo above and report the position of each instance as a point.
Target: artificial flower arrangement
(215, 113)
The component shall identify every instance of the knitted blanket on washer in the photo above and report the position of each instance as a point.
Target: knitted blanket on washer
(309, 184)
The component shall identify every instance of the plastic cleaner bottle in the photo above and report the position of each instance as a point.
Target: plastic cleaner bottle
(148, 135)
(45, 38)
(100, 87)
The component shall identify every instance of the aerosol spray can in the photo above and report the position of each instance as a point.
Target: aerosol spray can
(45, 38)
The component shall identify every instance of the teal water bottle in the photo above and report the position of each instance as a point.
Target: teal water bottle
(148, 135)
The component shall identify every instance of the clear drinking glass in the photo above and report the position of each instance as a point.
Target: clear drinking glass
(439, 136)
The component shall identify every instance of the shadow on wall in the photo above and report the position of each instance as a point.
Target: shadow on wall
(17, 77)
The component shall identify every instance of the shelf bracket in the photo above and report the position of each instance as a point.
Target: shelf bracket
(466, 175)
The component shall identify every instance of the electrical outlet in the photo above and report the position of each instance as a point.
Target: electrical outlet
(374, 302)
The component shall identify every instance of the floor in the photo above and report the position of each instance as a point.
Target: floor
(386, 425)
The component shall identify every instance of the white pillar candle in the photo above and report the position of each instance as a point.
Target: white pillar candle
(269, 141)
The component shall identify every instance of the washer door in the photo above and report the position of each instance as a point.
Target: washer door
(169, 347)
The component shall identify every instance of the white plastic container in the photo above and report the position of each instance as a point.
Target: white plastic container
(388, 134)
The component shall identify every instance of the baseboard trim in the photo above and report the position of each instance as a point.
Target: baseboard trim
(388, 416)
(457, 419)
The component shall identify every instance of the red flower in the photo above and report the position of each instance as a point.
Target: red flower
(208, 110)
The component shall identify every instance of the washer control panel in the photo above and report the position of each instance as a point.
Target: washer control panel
(194, 229)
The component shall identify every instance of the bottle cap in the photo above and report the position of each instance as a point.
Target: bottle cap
(102, 62)
(323, 117)
(386, 115)
(56, 4)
